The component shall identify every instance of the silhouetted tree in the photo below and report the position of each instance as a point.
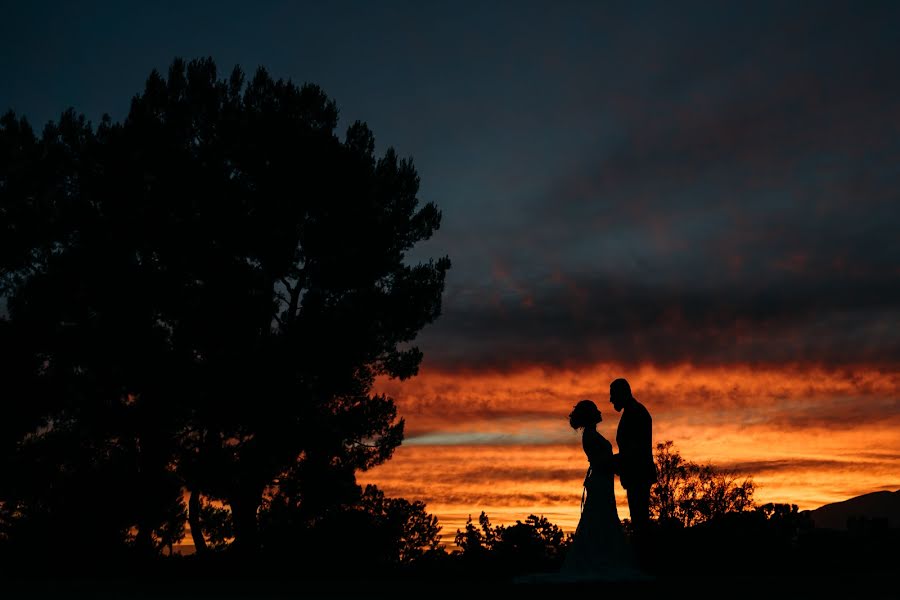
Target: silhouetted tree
(370, 534)
(215, 527)
(170, 530)
(533, 545)
(208, 288)
(88, 435)
(406, 532)
(786, 520)
(475, 541)
(687, 493)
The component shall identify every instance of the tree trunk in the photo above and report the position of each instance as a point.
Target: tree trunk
(143, 541)
(243, 514)
(194, 522)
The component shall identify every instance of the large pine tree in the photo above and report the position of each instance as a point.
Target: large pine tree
(202, 296)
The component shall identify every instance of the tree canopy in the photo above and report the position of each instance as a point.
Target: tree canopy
(200, 297)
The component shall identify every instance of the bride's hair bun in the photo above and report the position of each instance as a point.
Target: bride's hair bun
(584, 414)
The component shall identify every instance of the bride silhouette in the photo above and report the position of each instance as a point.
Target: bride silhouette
(599, 549)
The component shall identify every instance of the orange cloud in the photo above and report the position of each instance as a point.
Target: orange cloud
(500, 442)
(787, 398)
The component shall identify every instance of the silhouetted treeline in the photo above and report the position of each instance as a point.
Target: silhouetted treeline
(705, 525)
(528, 546)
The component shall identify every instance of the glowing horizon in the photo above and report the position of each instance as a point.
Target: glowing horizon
(499, 442)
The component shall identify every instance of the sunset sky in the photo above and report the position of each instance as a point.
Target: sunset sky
(703, 198)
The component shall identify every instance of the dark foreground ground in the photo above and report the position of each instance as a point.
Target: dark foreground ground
(730, 565)
(696, 586)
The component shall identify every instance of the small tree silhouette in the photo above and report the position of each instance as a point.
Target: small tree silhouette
(530, 546)
(687, 493)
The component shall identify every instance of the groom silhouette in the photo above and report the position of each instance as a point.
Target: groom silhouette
(634, 462)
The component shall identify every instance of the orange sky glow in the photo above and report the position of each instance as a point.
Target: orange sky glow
(500, 442)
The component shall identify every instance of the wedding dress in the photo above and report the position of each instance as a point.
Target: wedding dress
(599, 550)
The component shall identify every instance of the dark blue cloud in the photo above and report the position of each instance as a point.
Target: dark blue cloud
(656, 181)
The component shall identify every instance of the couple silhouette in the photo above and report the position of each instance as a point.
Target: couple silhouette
(600, 550)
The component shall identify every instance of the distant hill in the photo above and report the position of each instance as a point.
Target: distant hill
(877, 506)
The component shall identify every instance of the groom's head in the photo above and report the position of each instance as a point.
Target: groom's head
(619, 393)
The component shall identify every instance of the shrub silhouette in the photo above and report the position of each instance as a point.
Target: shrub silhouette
(528, 546)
